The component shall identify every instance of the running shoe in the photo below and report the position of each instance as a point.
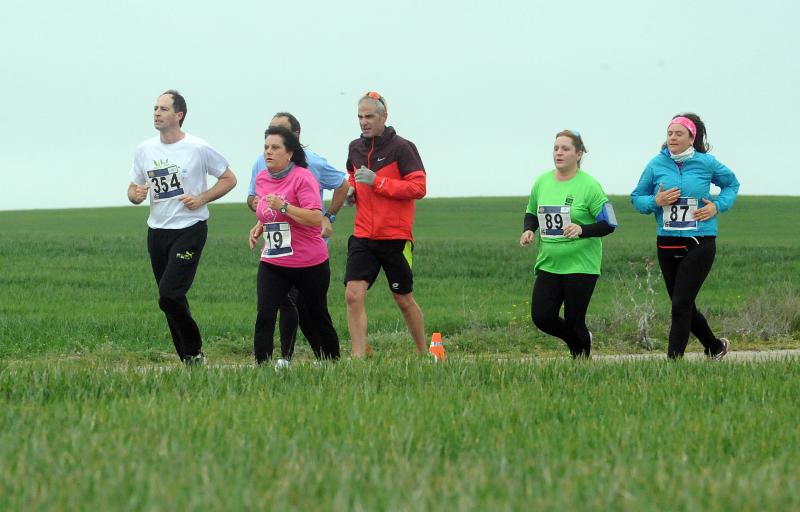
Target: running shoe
(197, 360)
(719, 355)
(282, 364)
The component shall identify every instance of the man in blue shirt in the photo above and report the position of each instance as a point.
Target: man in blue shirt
(329, 178)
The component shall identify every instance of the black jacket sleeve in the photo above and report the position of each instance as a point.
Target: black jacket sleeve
(601, 228)
(531, 223)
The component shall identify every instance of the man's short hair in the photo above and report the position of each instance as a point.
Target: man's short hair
(378, 100)
(178, 103)
(293, 122)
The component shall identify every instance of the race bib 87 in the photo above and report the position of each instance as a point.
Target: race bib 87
(277, 240)
(165, 183)
(553, 220)
(679, 216)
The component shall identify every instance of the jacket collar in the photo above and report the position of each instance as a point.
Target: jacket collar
(387, 135)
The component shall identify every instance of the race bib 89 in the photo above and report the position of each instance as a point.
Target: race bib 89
(165, 183)
(553, 220)
(679, 216)
(278, 240)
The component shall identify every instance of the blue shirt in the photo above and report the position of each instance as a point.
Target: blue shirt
(328, 177)
(694, 179)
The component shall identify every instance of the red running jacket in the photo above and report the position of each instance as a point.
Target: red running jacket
(385, 211)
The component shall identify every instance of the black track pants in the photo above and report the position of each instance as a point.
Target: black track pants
(174, 256)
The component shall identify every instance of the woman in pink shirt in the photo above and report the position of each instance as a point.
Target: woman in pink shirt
(289, 211)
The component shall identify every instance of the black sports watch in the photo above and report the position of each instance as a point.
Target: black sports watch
(284, 208)
(331, 217)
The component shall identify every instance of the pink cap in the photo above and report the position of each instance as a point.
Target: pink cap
(686, 122)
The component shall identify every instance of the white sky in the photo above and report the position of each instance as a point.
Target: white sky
(480, 87)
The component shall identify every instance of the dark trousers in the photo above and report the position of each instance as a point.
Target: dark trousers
(294, 313)
(685, 263)
(273, 284)
(574, 291)
(174, 256)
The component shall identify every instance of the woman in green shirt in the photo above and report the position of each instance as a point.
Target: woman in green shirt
(571, 212)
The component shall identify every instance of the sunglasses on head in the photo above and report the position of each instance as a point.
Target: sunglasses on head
(375, 96)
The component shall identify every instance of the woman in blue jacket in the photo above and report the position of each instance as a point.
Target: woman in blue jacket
(675, 187)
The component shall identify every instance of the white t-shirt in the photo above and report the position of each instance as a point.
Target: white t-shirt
(172, 170)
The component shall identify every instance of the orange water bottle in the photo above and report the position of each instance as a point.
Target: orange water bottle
(437, 347)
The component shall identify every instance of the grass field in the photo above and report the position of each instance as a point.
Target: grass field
(402, 435)
(79, 282)
(95, 414)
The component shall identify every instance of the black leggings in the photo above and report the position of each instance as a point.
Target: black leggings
(174, 256)
(685, 263)
(273, 285)
(575, 292)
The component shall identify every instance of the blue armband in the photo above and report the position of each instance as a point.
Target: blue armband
(607, 214)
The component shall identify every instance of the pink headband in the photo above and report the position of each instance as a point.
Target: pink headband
(687, 123)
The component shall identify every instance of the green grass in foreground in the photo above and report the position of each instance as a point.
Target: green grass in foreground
(78, 282)
(402, 434)
(95, 414)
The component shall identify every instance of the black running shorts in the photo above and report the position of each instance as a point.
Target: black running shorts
(366, 257)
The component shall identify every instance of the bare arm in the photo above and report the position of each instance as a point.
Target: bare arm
(338, 197)
(224, 184)
(255, 232)
(305, 216)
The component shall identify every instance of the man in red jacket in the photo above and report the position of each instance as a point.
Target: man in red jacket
(386, 172)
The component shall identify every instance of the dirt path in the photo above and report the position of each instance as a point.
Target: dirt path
(734, 355)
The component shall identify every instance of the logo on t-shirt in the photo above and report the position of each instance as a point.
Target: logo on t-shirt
(268, 213)
(569, 200)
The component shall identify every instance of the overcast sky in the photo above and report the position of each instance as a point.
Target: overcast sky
(480, 87)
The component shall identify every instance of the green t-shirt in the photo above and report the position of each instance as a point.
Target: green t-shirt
(585, 198)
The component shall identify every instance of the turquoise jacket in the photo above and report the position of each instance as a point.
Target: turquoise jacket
(694, 180)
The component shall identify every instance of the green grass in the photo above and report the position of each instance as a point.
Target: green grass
(79, 282)
(402, 434)
(96, 414)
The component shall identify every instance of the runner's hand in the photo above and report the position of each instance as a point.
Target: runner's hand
(140, 192)
(255, 232)
(327, 227)
(252, 202)
(192, 202)
(706, 212)
(350, 198)
(665, 197)
(365, 176)
(274, 201)
(526, 238)
(572, 231)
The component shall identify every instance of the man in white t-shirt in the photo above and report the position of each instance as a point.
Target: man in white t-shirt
(171, 169)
